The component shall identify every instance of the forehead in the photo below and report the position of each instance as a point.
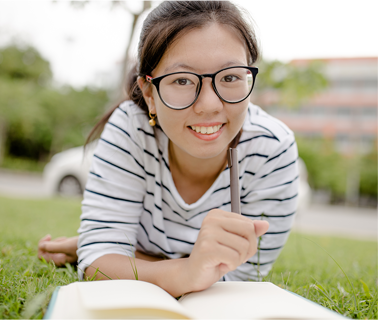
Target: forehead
(203, 50)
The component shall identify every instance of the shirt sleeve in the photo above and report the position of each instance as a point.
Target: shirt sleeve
(114, 193)
(270, 193)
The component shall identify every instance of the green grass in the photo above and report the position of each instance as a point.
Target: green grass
(303, 267)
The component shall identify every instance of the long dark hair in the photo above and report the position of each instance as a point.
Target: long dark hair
(165, 24)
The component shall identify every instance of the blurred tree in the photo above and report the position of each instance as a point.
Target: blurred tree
(327, 169)
(288, 84)
(24, 64)
(369, 174)
(37, 119)
(23, 72)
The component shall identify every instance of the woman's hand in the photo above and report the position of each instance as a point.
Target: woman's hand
(60, 250)
(225, 241)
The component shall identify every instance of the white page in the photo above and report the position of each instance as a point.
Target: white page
(252, 300)
(121, 294)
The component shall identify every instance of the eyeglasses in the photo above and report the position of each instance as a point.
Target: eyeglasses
(180, 90)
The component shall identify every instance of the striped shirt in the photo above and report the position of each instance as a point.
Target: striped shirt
(131, 202)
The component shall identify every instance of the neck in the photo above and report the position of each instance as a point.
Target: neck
(195, 170)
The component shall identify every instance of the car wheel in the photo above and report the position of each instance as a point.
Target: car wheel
(70, 186)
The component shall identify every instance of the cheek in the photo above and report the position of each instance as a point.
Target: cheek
(171, 121)
(237, 114)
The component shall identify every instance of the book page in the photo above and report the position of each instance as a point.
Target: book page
(252, 300)
(116, 299)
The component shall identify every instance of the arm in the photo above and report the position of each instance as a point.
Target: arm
(63, 250)
(225, 241)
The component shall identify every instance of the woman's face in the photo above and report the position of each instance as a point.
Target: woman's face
(201, 51)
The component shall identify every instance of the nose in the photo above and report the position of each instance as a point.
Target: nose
(207, 101)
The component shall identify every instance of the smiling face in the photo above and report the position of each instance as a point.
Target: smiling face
(204, 130)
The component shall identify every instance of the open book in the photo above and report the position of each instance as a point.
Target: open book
(112, 299)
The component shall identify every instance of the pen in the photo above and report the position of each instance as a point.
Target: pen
(233, 164)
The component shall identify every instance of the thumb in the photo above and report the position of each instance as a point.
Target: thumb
(261, 227)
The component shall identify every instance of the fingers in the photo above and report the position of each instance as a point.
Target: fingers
(226, 258)
(59, 245)
(243, 247)
(241, 233)
(53, 247)
(45, 238)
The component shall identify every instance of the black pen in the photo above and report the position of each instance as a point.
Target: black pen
(233, 164)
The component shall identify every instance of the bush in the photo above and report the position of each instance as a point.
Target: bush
(328, 170)
(37, 119)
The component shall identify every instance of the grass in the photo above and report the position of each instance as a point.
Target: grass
(316, 267)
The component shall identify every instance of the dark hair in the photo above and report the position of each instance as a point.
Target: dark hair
(165, 24)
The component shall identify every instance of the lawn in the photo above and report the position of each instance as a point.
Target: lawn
(338, 273)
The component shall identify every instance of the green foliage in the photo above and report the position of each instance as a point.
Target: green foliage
(328, 169)
(368, 174)
(22, 164)
(37, 119)
(26, 284)
(295, 83)
(24, 64)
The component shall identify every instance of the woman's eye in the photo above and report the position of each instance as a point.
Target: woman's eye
(183, 82)
(229, 78)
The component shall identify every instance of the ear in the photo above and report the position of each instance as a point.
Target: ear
(146, 89)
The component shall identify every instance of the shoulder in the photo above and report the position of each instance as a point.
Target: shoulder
(129, 111)
(132, 120)
(264, 135)
(264, 130)
(260, 122)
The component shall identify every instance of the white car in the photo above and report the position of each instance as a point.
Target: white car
(67, 172)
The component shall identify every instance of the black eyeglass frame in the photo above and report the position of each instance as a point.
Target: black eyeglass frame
(156, 82)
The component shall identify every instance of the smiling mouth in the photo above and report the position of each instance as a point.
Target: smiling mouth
(206, 130)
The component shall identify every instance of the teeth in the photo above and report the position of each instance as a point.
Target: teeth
(206, 130)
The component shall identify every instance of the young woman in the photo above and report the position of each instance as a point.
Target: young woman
(159, 182)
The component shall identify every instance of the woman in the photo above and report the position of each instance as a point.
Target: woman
(161, 186)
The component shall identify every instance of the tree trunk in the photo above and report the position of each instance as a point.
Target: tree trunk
(127, 65)
(3, 132)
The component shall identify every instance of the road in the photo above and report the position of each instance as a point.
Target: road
(21, 184)
(360, 223)
(351, 222)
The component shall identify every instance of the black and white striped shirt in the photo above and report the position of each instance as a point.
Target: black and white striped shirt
(131, 202)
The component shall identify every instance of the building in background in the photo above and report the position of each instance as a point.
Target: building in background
(345, 112)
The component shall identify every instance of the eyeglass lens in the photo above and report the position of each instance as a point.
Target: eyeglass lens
(180, 90)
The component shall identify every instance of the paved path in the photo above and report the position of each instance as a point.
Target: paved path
(21, 184)
(339, 221)
(317, 219)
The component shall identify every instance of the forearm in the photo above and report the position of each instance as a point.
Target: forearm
(167, 274)
(146, 257)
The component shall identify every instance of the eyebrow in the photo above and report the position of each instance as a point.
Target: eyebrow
(184, 66)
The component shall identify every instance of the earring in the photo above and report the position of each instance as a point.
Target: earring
(152, 121)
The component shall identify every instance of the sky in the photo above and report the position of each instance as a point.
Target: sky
(86, 46)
